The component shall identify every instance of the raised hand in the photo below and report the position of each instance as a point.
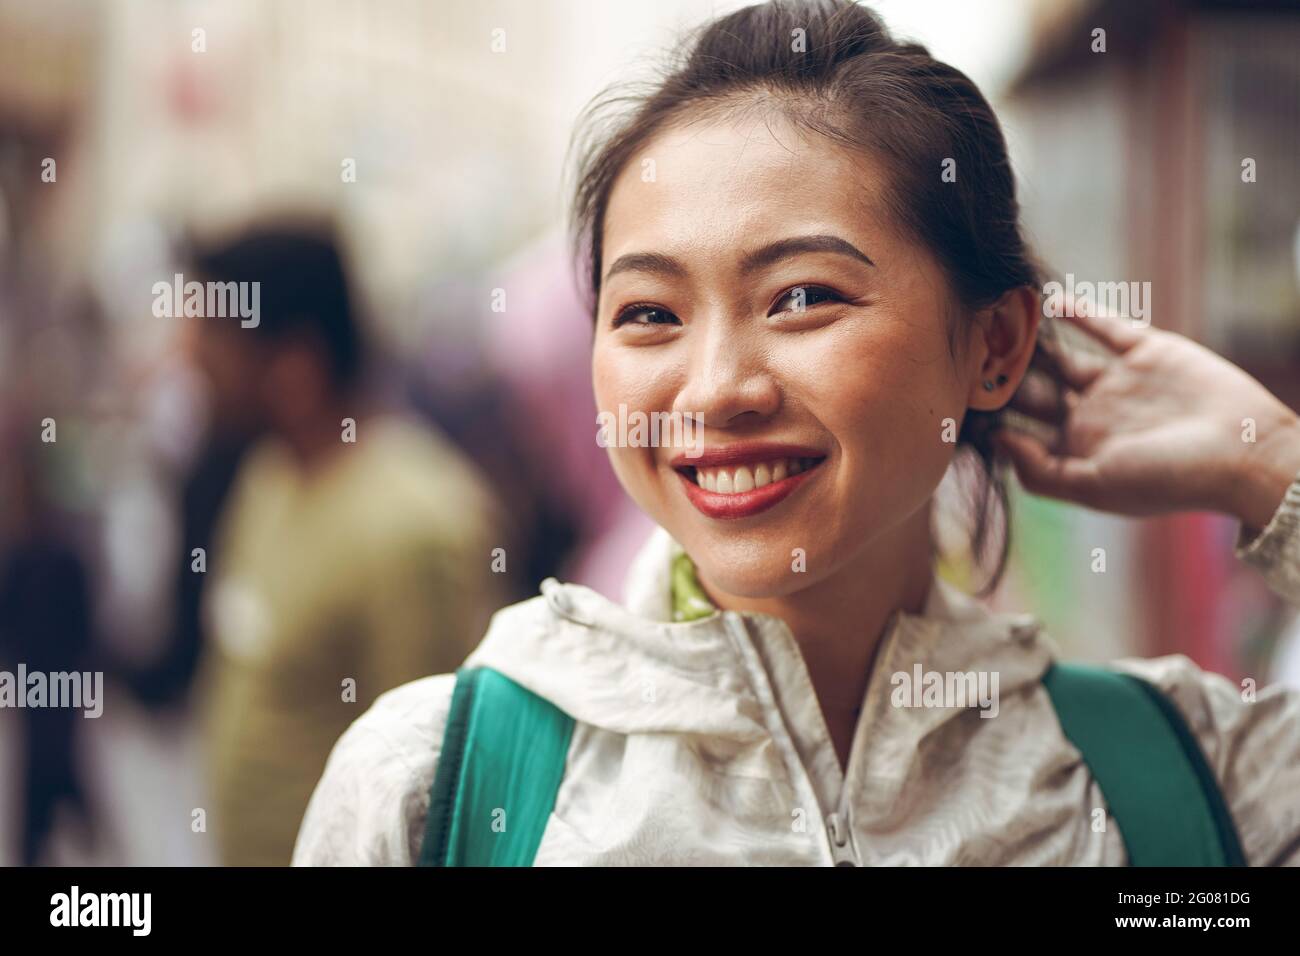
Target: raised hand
(1160, 424)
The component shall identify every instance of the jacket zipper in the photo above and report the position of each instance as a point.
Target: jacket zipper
(839, 842)
(839, 829)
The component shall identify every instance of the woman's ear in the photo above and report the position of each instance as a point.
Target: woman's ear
(1008, 330)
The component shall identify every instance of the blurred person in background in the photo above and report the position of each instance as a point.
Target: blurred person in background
(45, 624)
(354, 553)
(233, 426)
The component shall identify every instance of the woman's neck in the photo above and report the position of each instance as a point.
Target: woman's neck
(839, 621)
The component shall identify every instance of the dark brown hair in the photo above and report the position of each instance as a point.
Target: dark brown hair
(852, 82)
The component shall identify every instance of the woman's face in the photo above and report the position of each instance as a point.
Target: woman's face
(752, 277)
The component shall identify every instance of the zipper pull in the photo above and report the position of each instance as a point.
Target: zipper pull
(841, 849)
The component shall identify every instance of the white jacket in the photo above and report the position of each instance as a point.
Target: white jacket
(703, 742)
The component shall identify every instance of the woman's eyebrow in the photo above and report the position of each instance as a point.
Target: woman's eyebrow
(796, 245)
(652, 262)
(657, 263)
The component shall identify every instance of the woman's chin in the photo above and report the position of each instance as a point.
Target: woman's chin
(755, 577)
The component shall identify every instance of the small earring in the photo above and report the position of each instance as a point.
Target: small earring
(988, 385)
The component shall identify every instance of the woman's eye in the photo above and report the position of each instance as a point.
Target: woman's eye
(644, 315)
(802, 298)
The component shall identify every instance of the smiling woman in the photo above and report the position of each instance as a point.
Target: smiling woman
(776, 247)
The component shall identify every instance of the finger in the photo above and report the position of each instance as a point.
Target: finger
(1118, 333)
(1043, 473)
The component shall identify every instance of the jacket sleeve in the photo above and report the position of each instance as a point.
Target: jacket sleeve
(1251, 741)
(1275, 550)
(369, 807)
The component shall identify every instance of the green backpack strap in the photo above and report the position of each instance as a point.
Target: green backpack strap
(502, 760)
(1149, 766)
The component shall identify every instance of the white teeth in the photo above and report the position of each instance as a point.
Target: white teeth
(728, 481)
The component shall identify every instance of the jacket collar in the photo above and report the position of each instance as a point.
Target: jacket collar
(616, 666)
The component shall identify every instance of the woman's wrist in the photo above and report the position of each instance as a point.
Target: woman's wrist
(1264, 471)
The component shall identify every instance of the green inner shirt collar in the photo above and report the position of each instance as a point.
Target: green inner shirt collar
(689, 600)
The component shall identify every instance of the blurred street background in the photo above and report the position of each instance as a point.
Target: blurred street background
(431, 135)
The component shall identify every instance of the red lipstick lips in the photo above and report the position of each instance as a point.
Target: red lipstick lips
(742, 504)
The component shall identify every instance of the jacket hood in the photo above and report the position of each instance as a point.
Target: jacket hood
(631, 669)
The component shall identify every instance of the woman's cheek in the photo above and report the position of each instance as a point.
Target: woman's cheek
(604, 377)
(625, 388)
(890, 436)
(627, 470)
(631, 377)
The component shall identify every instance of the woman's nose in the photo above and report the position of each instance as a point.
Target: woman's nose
(728, 379)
